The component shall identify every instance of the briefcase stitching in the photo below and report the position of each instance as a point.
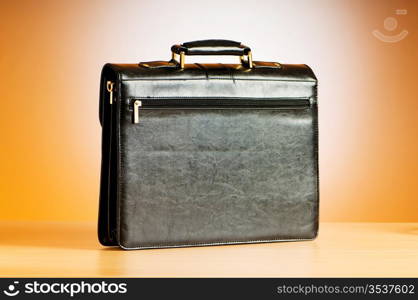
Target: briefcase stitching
(215, 243)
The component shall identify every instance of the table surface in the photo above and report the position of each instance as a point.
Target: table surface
(341, 250)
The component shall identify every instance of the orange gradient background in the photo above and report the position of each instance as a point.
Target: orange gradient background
(52, 53)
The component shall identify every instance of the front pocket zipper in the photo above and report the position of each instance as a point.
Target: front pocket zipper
(208, 103)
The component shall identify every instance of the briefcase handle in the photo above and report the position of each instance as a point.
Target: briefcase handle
(213, 47)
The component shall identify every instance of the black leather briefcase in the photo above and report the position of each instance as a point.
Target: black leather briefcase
(208, 154)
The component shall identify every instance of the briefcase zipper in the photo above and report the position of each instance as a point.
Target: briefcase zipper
(137, 104)
(209, 103)
(110, 88)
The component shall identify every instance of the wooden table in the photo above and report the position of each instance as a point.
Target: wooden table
(341, 250)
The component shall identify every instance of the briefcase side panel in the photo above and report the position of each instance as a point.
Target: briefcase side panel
(108, 174)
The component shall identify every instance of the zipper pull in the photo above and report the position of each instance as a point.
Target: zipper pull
(109, 86)
(137, 105)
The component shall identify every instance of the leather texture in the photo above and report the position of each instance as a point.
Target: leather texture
(211, 47)
(192, 176)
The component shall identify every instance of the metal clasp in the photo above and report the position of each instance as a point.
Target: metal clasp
(244, 59)
(109, 87)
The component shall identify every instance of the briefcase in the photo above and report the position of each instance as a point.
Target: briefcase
(200, 154)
